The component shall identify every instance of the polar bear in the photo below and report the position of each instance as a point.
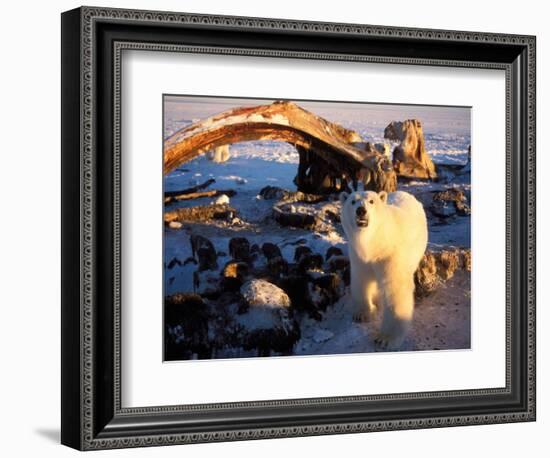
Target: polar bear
(387, 236)
(219, 154)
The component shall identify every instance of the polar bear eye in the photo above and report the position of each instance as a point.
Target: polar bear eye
(371, 201)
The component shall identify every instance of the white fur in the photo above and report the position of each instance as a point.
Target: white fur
(384, 256)
(219, 154)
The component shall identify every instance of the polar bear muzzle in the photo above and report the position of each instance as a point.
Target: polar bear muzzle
(361, 217)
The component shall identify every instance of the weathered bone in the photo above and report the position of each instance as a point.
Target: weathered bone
(283, 121)
(410, 158)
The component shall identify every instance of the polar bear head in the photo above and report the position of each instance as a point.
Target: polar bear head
(361, 211)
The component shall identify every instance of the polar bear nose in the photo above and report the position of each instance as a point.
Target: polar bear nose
(360, 212)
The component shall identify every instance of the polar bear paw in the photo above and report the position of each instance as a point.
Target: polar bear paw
(388, 342)
(364, 315)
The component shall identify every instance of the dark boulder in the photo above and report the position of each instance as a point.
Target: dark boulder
(186, 327)
(204, 251)
(300, 252)
(233, 275)
(310, 262)
(270, 250)
(239, 249)
(449, 203)
(333, 251)
(277, 266)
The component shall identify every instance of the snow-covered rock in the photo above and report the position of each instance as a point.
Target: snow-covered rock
(175, 225)
(262, 294)
(266, 324)
(222, 200)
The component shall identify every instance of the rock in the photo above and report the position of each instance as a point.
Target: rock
(466, 260)
(277, 266)
(234, 274)
(267, 324)
(410, 158)
(219, 154)
(175, 225)
(204, 251)
(239, 249)
(425, 278)
(324, 290)
(312, 292)
(200, 213)
(447, 262)
(300, 252)
(290, 216)
(272, 193)
(332, 216)
(338, 263)
(235, 269)
(186, 321)
(284, 195)
(280, 337)
(294, 285)
(443, 209)
(310, 262)
(449, 202)
(333, 251)
(270, 250)
(222, 200)
(436, 267)
(264, 293)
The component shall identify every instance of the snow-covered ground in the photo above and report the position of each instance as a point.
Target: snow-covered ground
(253, 165)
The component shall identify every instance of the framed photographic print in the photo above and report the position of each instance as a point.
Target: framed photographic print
(277, 228)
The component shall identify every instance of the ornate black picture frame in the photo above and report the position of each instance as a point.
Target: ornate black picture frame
(92, 41)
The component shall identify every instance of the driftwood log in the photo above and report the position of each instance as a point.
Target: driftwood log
(201, 213)
(330, 143)
(199, 194)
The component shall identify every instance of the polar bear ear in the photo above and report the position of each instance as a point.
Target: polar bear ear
(343, 197)
(383, 196)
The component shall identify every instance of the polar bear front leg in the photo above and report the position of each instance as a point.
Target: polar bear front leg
(398, 313)
(364, 291)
